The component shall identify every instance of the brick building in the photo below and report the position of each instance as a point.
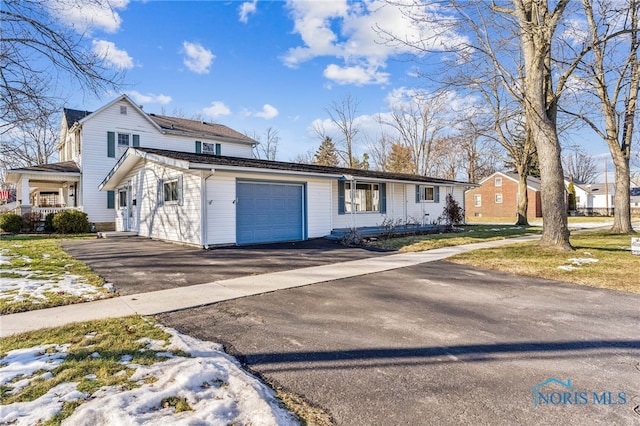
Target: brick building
(497, 197)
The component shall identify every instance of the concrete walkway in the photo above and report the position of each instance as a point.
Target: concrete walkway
(157, 302)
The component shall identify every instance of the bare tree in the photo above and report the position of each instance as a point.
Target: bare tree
(342, 114)
(37, 51)
(419, 121)
(304, 158)
(579, 165)
(31, 143)
(611, 73)
(267, 147)
(533, 24)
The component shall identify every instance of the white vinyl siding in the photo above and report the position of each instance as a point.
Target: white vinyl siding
(221, 205)
(401, 207)
(165, 221)
(95, 164)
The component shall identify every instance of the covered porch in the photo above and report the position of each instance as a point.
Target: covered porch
(47, 188)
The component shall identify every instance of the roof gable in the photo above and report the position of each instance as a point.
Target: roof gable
(165, 124)
(533, 183)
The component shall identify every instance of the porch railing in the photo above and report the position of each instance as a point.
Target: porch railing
(44, 211)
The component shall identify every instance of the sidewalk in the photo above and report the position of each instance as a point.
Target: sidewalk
(203, 294)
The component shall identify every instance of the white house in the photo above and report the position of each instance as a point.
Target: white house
(91, 143)
(594, 198)
(198, 183)
(209, 200)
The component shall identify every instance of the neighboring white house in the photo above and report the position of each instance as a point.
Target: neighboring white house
(210, 200)
(594, 198)
(91, 143)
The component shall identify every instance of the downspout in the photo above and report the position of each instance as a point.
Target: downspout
(353, 210)
(203, 209)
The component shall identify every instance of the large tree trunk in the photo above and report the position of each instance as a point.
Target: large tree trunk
(621, 199)
(540, 112)
(523, 199)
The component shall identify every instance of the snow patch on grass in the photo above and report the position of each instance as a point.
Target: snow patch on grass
(20, 285)
(577, 262)
(212, 383)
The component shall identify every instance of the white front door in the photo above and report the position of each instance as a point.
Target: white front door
(126, 208)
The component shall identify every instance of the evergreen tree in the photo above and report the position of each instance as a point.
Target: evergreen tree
(327, 154)
(400, 159)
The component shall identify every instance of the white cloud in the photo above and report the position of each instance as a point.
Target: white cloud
(87, 15)
(149, 98)
(247, 8)
(268, 112)
(576, 31)
(112, 56)
(350, 31)
(198, 59)
(216, 109)
(356, 75)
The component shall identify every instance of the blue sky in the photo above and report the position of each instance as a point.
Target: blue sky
(258, 64)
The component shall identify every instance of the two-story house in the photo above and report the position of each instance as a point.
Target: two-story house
(91, 143)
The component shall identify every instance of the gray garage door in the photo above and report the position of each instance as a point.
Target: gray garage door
(269, 212)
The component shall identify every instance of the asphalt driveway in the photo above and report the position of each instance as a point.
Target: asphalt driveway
(440, 343)
(139, 265)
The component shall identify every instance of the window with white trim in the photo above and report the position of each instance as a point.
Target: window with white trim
(123, 139)
(477, 200)
(362, 197)
(170, 192)
(498, 198)
(211, 148)
(123, 109)
(427, 193)
(497, 181)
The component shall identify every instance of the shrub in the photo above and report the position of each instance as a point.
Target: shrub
(71, 222)
(352, 238)
(11, 222)
(48, 223)
(31, 221)
(452, 214)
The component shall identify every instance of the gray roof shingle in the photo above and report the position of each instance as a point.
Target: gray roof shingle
(63, 167)
(174, 124)
(74, 115)
(198, 128)
(296, 167)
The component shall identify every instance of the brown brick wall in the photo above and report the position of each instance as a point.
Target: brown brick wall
(508, 208)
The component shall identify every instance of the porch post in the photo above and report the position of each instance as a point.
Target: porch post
(25, 203)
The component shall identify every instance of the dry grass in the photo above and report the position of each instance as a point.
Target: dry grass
(615, 269)
(469, 234)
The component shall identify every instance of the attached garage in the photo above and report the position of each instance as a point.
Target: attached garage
(269, 212)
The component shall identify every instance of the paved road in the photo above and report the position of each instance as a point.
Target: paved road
(140, 265)
(438, 343)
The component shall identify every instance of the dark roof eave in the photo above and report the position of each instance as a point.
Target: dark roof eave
(210, 161)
